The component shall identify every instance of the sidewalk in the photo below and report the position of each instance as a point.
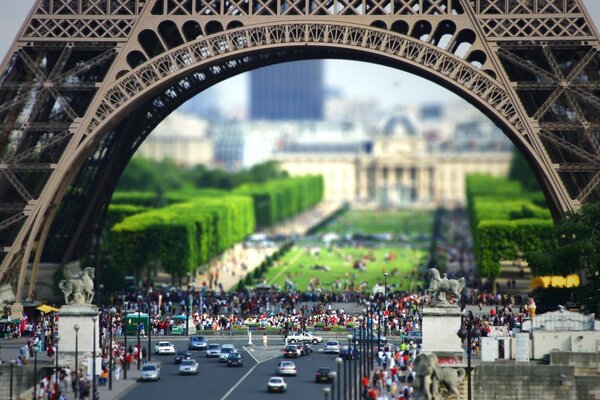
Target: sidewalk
(10, 350)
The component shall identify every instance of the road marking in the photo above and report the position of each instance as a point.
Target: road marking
(251, 355)
(243, 377)
(290, 263)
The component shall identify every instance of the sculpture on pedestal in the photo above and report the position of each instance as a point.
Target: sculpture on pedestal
(7, 297)
(440, 287)
(430, 378)
(79, 289)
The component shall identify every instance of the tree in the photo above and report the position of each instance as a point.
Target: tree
(577, 251)
(521, 172)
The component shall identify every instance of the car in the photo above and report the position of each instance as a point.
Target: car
(305, 348)
(163, 347)
(306, 337)
(188, 367)
(286, 368)
(349, 353)
(323, 375)
(291, 351)
(332, 346)
(276, 384)
(197, 343)
(413, 337)
(149, 372)
(235, 360)
(226, 349)
(181, 355)
(363, 335)
(213, 350)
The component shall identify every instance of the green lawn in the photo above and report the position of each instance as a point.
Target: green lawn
(297, 265)
(407, 222)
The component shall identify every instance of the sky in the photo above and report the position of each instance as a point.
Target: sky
(353, 79)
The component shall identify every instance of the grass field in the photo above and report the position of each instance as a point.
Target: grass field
(403, 222)
(297, 265)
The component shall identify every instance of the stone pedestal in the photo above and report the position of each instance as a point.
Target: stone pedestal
(69, 316)
(440, 327)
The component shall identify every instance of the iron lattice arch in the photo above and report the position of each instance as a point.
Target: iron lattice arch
(87, 80)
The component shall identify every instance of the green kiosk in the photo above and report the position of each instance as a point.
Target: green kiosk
(131, 323)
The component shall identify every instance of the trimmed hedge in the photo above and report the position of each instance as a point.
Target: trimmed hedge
(506, 221)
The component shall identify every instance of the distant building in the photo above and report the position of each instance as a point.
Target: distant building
(288, 91)
(181, 137)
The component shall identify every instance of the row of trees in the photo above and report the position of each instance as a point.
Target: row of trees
(198, 225)
(507, 221)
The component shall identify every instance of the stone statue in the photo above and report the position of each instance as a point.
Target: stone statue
(7, 296)
(440, 287)
(430, 378)
(79, 289)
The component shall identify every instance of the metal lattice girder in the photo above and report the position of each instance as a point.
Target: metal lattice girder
(87, 80)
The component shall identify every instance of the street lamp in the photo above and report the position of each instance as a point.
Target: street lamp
(139, 343)
(94, 319)
(339, 362)
(56, 339)
(124, 324)
(35, 382)
(326, 391)
(149, 329)
(12, 364)
(76, 328)
(385, 275)
(356, 381)
(348, 369)
(361, 337)
(111, 313)
(468, 330)
(333, 375)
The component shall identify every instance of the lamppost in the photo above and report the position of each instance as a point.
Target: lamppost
(125, 324)
(56, 339)
(149, 329)
(361, 342)
(333, 375)
(76, 328)
(111, 312)
(356, 381)
(348, 369)
(12, 364)
(139, 343)
(94, 319)
(385, 275)
(35, 382)
(326, 391)
(468, 330)
(339, 362)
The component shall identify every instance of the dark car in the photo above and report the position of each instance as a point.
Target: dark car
(291, 351)
(414, 337)
(323, 375)
(181, 355)
(366, 336)
(197, 343)
(235, 360)
(349, 353)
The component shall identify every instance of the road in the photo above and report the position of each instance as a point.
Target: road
(217, 381)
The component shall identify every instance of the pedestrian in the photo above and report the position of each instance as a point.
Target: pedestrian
(144, 355)
(265, 341)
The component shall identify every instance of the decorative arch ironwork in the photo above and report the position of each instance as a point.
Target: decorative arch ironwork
(78, 66)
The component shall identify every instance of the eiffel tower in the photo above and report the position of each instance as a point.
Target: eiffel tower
(85, 82)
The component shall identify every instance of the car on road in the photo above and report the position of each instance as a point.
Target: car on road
(276, 384)
(235, 360)
(181, 355)
(164, 347)
(306, 337)
(332, 346)
(365, 336)
(349, 353)
(226, 349)
(149, 372)
(188, 367)
(323, 375)
(197, 343)
(305, 348)
(414, 337)
(286, 368)
(291, 351)
(213, 350)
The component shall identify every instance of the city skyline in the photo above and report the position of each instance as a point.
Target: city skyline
(388, 86)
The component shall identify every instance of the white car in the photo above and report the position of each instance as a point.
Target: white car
(188, 367)
(150, 372)
(225, 351)
(286, 368)
(332, 346)
(276, 384)
(164, 348)
(296, 337)
(213, 350)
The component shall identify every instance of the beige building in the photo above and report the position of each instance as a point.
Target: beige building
(399, 168)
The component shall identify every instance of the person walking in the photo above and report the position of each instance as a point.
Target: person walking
(265, 340)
